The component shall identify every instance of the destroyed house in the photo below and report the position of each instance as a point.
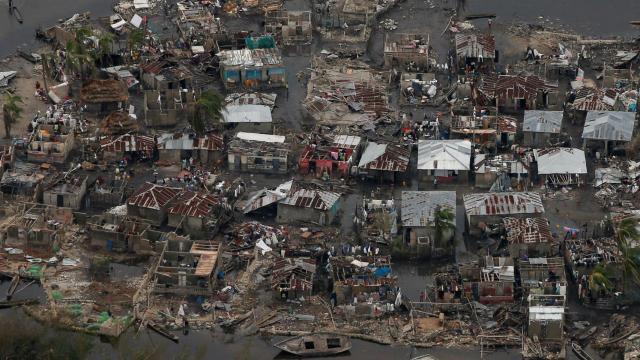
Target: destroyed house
(116, 233)
(309, 206)
(164, 75)
(151, 202)
(198, 214)
(101, 96)
(496, 171)
(50, 144)
(476, 48)
(258, 153)
(446, 160)
(488, 131)
(493, 282)
(248, 118)
(119, 123)
(528, 237)
(616, 127)
(519, 92)
(334, 158)
(7, 157)
(377, 220)
(252, 69)
(543, 276)
(346, 93)
(364, 276)
(107, 194)
(291, 28)
(166, 108)
(541, 128)
(24, 179)
(37, 226)
(546, 319)
(383, 161)
(490, 208)
(186, 267)
(264, 198)
(292, 279)
(420, 212)
(561, 166)
(406, 50)
(68, 192)
(197, 24)
(134, 147)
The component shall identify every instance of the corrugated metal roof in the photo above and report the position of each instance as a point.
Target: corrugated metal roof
(260, 137)
(506, 203)
(176, 141)
(246, 57)
(539, 121)
(128, 143)
(527, 231)
(246, 114)
(385, 157)
(418, 207)
(346, 141)
(210, 142)
(475, 45)
(609, 125)
(560, 161)
(315, 199)
(152, 196)
(194, 204)
(444, 155)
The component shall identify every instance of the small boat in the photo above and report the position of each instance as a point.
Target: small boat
(315, 345)
(579, 351)
(635, 22)
(587, 333)
(424, 357)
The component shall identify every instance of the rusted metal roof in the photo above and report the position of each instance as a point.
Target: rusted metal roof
(194, 204)
(594, 100)
(418, 208)
(315, 199)
(475, 45)
(520, 87)
(153, 196)
(385, 157)
(506, 203)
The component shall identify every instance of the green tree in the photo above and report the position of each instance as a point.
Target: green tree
(105, 44)
(627, 235)
(208, 111)
(78, 59)
(11, 112)
(444, 220)
(599, 279)
(136, 37)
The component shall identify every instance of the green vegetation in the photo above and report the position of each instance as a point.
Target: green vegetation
(11, 112)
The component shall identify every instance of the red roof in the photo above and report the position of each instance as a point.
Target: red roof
(153, 196)
(194, 204)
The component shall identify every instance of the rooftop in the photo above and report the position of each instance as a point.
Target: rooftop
(385, 157)
(99, 91)
(444, 154)
(609, 125)
(153, 196)
(260, 137)
(194, 204)
(527, 231)
(506, 203)
(315, 199)
(246, 114)
(418, 208)
(246, 57)
(542, 121)
(560, 161)
(475, 45)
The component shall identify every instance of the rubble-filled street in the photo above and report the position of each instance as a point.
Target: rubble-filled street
(252, 179)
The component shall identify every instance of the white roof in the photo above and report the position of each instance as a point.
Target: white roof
(609, 125)
(539, 121)
(444, 155)
(347, 141)
(141, 4)
(560, 161)
(170, 141)
(418, 207)
(546, 312)
(371, 153)
(260, 137)
(246, 114)
(315, 199)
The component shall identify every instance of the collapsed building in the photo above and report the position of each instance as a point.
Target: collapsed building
(151, 202)
(50, 144)
(104, 96)
(290, 28)
(198, 214)
(336, 157)
(483, 209)
(384, 161)
(407, 51)
(312, 206)
(258, 153)
(428, 221)
(67, 192)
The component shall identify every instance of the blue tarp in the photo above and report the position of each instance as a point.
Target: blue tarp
(382, 271)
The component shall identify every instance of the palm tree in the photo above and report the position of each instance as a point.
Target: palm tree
(599, 280)
(626, 235)
(11, 112)
(105, 44)
(136, 37)
(444, 220)
(208, 111)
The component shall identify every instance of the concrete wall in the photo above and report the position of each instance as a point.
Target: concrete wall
(156, 217)
(70, 200)
(291, 214)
